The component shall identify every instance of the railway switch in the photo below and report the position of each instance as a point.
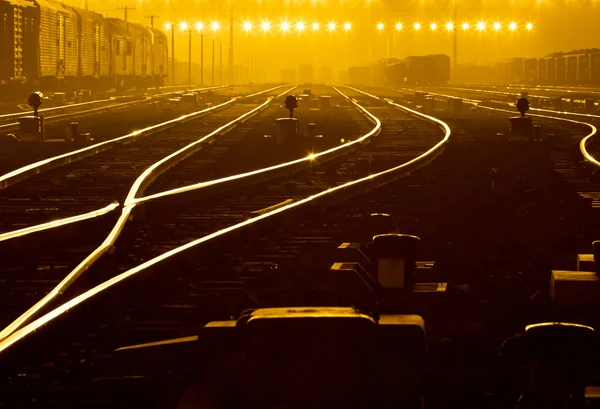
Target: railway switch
(73, 133)
(31, 128)
(302, 356)
(379, 223)
(311, 129)
(59, 98)
(579, 289)
(522, 126)
(549, 364)
(396, 259)
(288, 130)
(324, 102)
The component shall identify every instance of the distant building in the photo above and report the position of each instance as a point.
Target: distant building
(306, 73)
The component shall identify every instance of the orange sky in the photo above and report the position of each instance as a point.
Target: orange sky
(558, 26)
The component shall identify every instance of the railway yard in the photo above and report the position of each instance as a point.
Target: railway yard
(168, 218)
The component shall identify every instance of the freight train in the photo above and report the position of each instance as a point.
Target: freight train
(47, 45)
(578, 67)
(413, 70)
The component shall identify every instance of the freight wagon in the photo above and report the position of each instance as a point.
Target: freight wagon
(49, 46)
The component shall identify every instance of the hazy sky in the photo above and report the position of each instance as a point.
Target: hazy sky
(557, 26)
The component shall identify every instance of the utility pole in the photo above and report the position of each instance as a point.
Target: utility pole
(202, 59)
(213, 63)
(454, 48)
(126, 10)
(152, 17)
(230, 42)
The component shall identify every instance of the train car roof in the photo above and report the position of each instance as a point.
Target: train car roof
(21, 3)
(156, 31)
(55, 6)
(118, 27)
(90, 15)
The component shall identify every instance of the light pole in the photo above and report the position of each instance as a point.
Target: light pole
(185, 27)
(170, 26)
(200, 28)
(215, 27)
(220, 63)
(454, 40)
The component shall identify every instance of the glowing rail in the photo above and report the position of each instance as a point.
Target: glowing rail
(14, 115)
(58, 223)
(582, 144)
(45, 164)
(309, 158)
(19, 334)
(120, 224)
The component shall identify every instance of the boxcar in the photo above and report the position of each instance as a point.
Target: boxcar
(158, 60)
(595, 69)
(531, 73)
(571, 68)
(121, 52)
(142, 44)
(359, 75)
(419, 69)
(59, 55)
(94, 49)
(396, 73)
(19, 28)
(441, 73)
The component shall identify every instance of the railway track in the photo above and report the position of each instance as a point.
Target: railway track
(97, 182)
(103, 123)
(203, 291)
(239, 150)
(9, 122)
(495, 216)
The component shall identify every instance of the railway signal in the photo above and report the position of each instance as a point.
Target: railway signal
(34, 101)
(291, 103)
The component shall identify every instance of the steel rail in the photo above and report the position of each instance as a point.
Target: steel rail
(585, 141)
(128, 206)
(406, 167)
(32, 169)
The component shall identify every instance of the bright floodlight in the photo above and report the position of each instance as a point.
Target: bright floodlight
(497, 26)
(380, 26)
(481, 26)
(285, 26)
(168, 26)
(300, 26)
(512, 26)
(433, 26)
(529, 26)
(199, 26)
(183, 25)
(247, 26)
(449, 26)
(465, 26)
(215, 26)
(417, 26)
(399, 26)
(347, 26)
(315, 26)
(331, 26)
(265, 26)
